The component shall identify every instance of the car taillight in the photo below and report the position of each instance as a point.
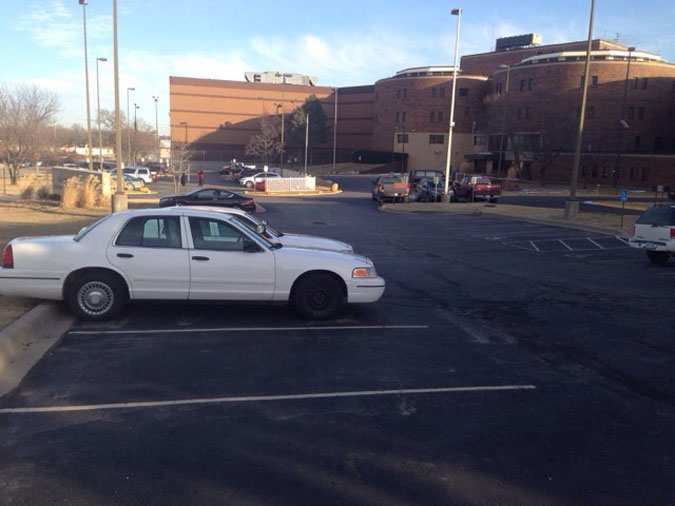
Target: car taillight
(248, 201)
(8, 257)
(672, 232)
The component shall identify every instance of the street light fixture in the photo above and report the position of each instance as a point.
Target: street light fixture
(98, 100)
(83, 3)
(129, 127)
(446, 198)
(572, 205)
(622, 122)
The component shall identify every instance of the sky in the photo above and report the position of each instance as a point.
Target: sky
(343, 43)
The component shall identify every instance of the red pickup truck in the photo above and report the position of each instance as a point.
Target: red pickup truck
(476, 187)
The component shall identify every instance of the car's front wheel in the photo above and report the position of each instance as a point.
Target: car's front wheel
(249, 184)
(96, 296)
(318, 297)
(658, 257)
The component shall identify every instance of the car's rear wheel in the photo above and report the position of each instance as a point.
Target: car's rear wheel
(249, 184)
(658, 257)
(129, 187)
(96, 296)
(318, 297)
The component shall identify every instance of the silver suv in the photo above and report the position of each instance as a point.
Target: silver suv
(655, 233)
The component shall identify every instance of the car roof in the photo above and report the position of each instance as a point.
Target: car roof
(212, 209)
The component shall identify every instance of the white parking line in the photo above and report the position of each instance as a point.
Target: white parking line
(598, 245)
(534, 246)
(564, 244)
(251, 329)
(260, 398)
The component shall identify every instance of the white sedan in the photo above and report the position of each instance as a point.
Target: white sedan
(250, 181)
(293, 240)
(182, 254)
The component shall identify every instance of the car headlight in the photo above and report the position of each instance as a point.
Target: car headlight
(364, 272)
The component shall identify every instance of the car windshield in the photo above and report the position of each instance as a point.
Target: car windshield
(251, 222)
(261, 238)
(659, 216)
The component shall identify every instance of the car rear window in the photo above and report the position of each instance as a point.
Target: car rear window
(658, 215)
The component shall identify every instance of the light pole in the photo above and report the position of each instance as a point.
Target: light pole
(446, 198)
(572, 205)
(184, 150)
(501, 141)
(156, 99)
(283, 76)
(279, 107)
(98, 101)
(83, 3)
(335, 129)
(622, 122)
(129, 126)
(306, 141)
(133, 160)
(119, 200)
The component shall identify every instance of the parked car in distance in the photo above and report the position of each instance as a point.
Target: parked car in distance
(390, 187)
(476, 187)
(182, 254)
(671, 194)
(209, 197)
(250, 181)
(418, 174)
(130, 183)
(429, 191)
(143, 173)
(263, 228)
(244, 173)
(655, 233)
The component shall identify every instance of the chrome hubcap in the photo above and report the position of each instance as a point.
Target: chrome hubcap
(95, 298)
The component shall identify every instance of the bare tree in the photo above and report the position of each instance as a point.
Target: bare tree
(181, 153)
(26, 114)
(597, 159)
(266, 144)
(554, 138)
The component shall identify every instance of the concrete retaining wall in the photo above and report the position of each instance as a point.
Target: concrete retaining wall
(60, 174)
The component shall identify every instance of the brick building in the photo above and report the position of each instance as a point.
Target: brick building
(515, 115)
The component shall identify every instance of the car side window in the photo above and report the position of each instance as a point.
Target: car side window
(151, 232)
(215, 235)
(206, 194)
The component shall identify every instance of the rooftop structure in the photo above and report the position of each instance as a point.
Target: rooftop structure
(276, 77)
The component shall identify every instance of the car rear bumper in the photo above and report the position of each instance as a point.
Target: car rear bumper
(668, 247)
(365, 290)
(30, 284)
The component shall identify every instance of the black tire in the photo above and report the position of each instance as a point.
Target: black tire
(453, 198)
(129, 187)
(97, 296)
(318, 297)
(658, 257)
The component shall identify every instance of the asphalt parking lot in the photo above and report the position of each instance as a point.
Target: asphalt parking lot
(508, 363)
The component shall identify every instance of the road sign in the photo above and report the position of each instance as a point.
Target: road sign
(624, 195)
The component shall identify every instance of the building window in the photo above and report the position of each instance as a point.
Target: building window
(635, 82)
(398, 93)
(594, 81)
(530, 84)
(522, 84)
(633, 173)
(405, 93)
(402, 138)
(439, 116)
(432, 117)
(433, 92)
(643, 83)
(256, 78)
(658, 143)
(637, 142)
(402, 117)
(645, 174)
(441, 92)
(436, 139)
(590, 112)
(631, 112)
(463, 92)
(641, 113)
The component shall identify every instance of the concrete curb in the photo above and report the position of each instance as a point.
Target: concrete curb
(26, 340)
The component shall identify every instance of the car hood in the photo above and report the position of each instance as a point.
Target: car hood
(325, 255)
(314, 242)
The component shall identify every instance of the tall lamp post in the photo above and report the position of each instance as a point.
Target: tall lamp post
(98, 114)
(501, 141)
(306, 141)
(156, 99)
(132, 160)
(83, 3)
(280, 112)
(572, 205)
(622, 122)
(129, 127)
(119, 200)
(446, 198)
(335, 113)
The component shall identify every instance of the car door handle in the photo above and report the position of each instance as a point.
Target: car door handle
(125, 255)
(201, 259)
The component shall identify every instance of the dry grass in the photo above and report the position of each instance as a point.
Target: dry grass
(71, 193)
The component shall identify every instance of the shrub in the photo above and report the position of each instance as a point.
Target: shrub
(71, 192)
(43, 193)
(28, 192)
(88, 192)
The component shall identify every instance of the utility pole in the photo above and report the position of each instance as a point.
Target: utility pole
(335, 112)
(128, 127)
(622, 122)
(119, 200)
(100, 136)
(83, 3)
(306, 141)
(446, 198)
(156, 99)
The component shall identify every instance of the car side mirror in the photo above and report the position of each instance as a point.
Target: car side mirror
(250, 246)
(264, 221)
(260, 228)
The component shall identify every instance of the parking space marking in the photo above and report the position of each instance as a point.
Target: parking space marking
(534, 246)
(566, 244)
(261, 398)
(598, 245)
(252, 329)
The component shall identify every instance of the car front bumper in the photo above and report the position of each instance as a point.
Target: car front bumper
(365, 290)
